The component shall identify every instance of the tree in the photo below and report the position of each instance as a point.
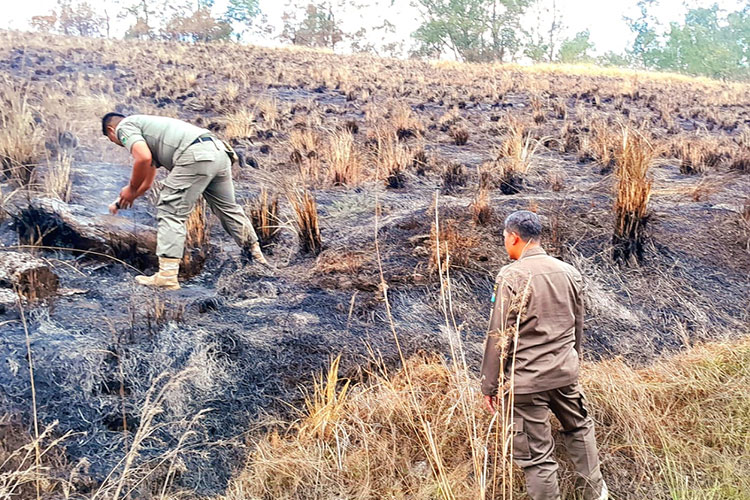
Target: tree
(320, 26)
(611, 58)
(542, 39)
(646, 50)
(144, 13)
(242, 11)
(576, 49)
(44, 24)
(472, 30)
(71, 18)
(199, 26)
(706, 43)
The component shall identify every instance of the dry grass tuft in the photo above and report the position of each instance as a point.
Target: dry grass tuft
(697, 154)
(21, 137)
(269, 111)
(458, 245)
(404, 122)
(392, 158)
(514, 157)
(460, 135)
(263, 212)
(454, 177)
(675, 430)
(240, 124)
(632, 194)
(481, 212)
(344, 160)
(197, 238)
(741, 161)
(305, 145)
(602, 145)
(306, 215)
(57, 182)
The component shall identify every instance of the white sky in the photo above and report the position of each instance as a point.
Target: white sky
(603, 18)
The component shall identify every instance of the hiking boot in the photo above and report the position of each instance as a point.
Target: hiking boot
(255, 253)
(166, 277)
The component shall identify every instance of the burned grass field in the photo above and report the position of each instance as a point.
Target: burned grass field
(642, 180)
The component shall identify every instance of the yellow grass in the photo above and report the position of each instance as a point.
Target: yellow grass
(678, 429)
(344, 162)
(240, 124)
(306, 217)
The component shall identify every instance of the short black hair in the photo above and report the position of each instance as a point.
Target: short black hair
(525, 224)
(108, 118)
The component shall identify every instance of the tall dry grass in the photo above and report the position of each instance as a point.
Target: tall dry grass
(240, 124)
(21, 137)
(514, 156)
(306, 146)
(632, 194)
(675, 430)
(416, 433)
(57, 181)
(197, 240)
(264, 214)
(306, 217)
(392, 158)
(344, 160)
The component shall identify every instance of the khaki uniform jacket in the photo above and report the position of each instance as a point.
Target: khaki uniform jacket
(547, 293)
(167, 138)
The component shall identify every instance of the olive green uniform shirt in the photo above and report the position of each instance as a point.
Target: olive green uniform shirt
(167, 138)
(547, 292)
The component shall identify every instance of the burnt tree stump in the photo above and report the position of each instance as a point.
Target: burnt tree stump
(53, 223)
(31, 276)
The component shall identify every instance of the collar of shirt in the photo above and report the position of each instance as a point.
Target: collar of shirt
(533, 252)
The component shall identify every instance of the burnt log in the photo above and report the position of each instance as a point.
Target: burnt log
(53, 223)
(30, 276)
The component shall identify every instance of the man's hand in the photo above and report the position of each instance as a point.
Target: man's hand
(127, 196)
(489, 404)
(114, 207)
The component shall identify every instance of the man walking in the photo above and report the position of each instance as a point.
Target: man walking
(199, 164)
(537, 301)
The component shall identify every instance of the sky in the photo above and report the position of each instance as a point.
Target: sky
(603, 18)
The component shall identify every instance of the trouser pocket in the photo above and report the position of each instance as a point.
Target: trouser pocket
(521, 450)
(172, 200)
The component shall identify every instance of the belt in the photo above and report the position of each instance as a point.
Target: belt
(202, 139)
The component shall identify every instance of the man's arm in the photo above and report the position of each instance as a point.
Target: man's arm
(142, 177)
(579, 312)
(495, 347)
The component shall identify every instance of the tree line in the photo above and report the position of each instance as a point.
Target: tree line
(708, 41)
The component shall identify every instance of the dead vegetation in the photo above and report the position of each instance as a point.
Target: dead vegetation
(21, 137)
(264, 214)
(343, 158)
(673, 430)
(632, 194)
(197, 238)
(323, 122)
(306, 217)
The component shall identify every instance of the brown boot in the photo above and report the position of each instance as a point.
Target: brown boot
(166, 277)
(255, 253)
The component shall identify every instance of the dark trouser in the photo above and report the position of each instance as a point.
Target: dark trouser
(533, 445)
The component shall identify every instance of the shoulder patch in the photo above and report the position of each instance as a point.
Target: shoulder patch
(494, 293)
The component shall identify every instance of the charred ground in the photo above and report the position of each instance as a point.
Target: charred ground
(420, 132)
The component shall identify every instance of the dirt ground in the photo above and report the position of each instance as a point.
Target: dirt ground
(255, 337)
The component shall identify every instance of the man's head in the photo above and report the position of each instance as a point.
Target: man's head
(523, 230)
(109, 124)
